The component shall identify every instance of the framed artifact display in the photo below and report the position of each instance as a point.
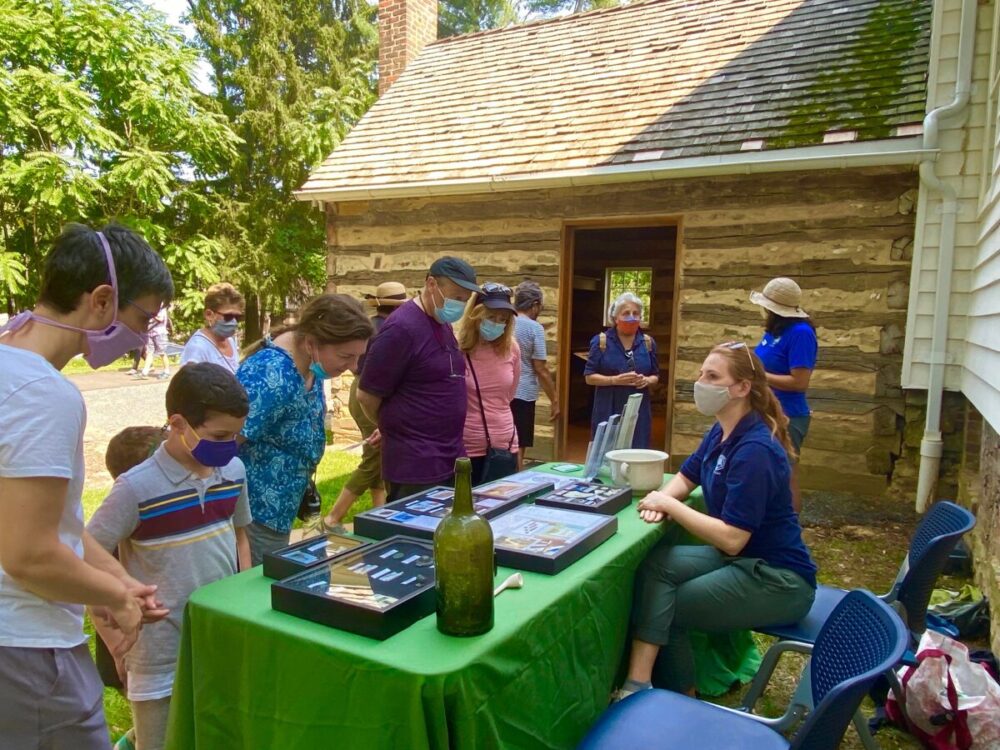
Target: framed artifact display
(525, 485)
(418, 515)
(375, 590)
(548, 540)
(306, 553)
(589, 497)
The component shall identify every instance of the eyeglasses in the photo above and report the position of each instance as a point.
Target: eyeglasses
(738, 345)
(451, 366)
(229, 317)
(150, 322)
(491, 287)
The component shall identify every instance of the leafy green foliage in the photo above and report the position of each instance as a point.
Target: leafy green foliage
(100, 120)
(466, 16)
(292, 77)
(638, 281)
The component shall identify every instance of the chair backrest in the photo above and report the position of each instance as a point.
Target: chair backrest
(862, 638)
(932, 542)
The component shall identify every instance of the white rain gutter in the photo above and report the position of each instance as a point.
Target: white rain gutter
(932, 446)
(888, 152)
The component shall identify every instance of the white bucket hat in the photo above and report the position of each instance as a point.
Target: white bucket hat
(782, 297)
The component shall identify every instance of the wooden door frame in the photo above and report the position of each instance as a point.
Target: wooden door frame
(565, 311)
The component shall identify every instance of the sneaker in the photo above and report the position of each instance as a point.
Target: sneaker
(318, 525)
(133, 372)
(624, 692)
(163, 376)
(142, 376)
(126, 741)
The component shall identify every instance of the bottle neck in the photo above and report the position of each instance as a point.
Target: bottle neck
(463, 494)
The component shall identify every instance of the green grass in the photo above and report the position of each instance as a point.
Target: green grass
(331, 476)
(78, 366)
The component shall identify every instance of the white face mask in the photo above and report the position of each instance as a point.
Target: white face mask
(709, 399)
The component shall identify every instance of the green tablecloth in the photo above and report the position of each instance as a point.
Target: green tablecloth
(250, 677)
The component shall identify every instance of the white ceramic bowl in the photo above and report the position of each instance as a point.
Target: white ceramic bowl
(638, 468)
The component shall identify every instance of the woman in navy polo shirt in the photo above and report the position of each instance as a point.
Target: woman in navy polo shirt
(755, 570)
(788, 351)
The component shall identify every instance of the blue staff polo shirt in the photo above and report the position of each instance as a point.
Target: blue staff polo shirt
(745, 483)
(795, 348)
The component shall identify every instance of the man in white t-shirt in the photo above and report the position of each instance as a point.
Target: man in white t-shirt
(50, 567)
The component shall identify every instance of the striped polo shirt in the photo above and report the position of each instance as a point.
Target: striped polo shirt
(176, 530)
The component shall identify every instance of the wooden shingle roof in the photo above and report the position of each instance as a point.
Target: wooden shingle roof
(650, 81)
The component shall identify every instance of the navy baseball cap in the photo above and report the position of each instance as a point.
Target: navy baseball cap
(457, 270)
(495, 296)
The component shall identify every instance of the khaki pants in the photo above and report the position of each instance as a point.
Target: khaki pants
(368, 475)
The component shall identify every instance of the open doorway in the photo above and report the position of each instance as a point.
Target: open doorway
(602, 262)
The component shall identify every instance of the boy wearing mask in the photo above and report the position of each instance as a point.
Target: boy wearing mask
(179, 518)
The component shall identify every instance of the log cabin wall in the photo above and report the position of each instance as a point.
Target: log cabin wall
(844, 235)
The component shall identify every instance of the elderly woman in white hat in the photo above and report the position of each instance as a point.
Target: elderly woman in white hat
(368, 476)
(788, 351)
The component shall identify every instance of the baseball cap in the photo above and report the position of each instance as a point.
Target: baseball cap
(495, 296)
(457, 270)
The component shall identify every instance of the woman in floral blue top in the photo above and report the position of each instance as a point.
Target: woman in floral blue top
(283, 436)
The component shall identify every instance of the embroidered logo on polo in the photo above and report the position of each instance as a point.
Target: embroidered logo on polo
(720, 465)
(181, 518)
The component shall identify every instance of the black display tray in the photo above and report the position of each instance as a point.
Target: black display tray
(418, 515)
(289, 560)
(548, 540)
(525, 485)
(588, 497)
(374, 591)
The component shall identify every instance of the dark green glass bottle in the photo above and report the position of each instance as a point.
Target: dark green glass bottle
(463, 561)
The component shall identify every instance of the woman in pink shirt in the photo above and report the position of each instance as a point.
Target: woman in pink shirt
(486, 337)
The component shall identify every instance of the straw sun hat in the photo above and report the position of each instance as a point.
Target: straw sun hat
(387, 294)
(782, 297)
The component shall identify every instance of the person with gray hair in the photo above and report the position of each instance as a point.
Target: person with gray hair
(530, 336)
(623, 361)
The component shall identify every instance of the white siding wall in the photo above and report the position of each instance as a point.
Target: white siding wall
(981, 361)
(961, 163)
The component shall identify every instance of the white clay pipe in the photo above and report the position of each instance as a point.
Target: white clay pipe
(514, 581)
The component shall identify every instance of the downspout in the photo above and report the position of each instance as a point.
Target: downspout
(932, 446)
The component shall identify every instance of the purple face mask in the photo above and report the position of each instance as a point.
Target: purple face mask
(106, 345)
(212, 452)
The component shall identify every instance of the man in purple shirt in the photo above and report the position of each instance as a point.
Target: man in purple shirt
(413, 382)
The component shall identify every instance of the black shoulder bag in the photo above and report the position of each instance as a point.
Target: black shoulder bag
(311, 502)
(499, 462)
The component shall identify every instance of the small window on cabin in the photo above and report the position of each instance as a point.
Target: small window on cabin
(639, 281)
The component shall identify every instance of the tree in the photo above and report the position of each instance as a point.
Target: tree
(100, 120)
(292, 77)
(466, 16)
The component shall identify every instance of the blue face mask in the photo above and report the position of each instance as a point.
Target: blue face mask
(490, 330)
(451, 312)
(224, 329)
(318, 372)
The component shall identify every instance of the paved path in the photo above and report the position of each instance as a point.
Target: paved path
(116, 401)
(97, 381)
